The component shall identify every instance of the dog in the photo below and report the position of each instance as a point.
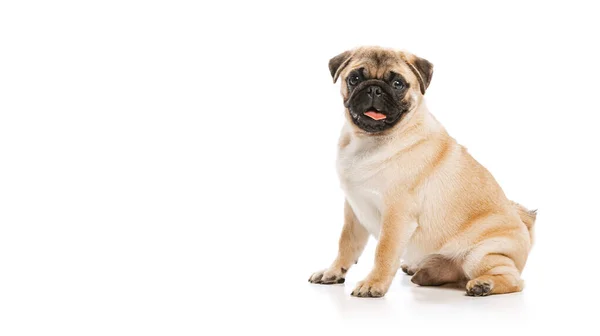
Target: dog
(436, 212)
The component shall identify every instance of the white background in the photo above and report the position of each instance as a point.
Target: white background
(167, 167)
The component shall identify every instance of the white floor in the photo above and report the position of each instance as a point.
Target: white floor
(277, 297)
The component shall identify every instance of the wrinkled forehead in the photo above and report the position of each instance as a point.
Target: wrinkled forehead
(379, 63)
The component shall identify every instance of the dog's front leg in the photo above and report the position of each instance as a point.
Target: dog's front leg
(395, 223)
(352, 242)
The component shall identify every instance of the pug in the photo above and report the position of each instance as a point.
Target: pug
(435, 211)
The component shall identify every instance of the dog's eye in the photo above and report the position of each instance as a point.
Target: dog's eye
(398, 84)
(353, 80)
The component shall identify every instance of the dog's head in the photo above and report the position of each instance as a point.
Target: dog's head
(380, 86)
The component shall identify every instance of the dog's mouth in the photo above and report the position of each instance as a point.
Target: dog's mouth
(374, 120)
(375, 115)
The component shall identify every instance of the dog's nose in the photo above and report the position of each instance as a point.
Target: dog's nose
(374, 90)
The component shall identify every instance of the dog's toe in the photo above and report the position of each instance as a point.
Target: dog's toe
(478, 288)
(327, 277)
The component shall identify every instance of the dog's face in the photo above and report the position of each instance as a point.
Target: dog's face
(380, 86)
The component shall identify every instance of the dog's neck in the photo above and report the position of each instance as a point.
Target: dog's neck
(417, 127)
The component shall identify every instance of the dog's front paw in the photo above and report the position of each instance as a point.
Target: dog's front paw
(329, 276)
(372, 287)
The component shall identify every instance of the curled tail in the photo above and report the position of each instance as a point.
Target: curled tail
(527, 217)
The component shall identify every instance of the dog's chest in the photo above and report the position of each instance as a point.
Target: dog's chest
(362, 173)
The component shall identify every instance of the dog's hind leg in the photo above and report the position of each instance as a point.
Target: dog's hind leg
(495, 274)
(495, 265)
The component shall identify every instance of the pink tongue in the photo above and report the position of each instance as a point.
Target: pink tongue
(375, 115)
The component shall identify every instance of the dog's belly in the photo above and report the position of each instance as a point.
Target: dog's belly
(365, 203)
(419, 246)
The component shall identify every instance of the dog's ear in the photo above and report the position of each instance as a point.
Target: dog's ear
(422, 68)
(338, 63)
